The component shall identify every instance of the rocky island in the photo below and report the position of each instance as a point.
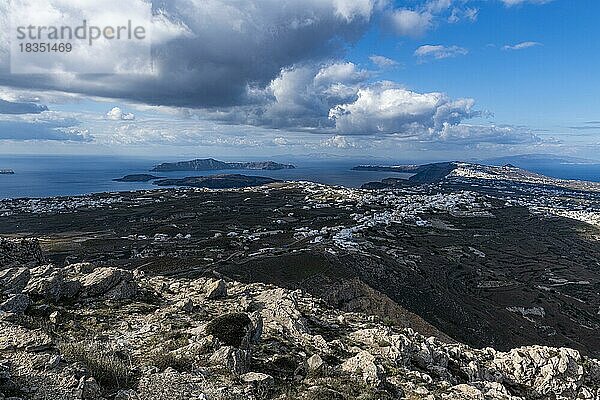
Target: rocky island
(210, 164)
(138, 178)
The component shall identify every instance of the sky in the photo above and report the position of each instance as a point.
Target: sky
(412, 80)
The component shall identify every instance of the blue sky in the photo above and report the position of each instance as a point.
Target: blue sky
(553, 85)
(431, 79)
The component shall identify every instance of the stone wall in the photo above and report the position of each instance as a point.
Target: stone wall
(20, 252)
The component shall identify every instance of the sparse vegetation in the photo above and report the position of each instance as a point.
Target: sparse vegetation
(105, 366)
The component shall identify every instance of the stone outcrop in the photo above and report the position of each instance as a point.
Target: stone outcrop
(13, 280)
(51, 283)
(111, 283)
(216, 289)
(257, 342)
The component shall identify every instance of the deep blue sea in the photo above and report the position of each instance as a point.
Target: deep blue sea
(44, 176)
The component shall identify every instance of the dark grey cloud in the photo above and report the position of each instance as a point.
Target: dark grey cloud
(9, 107)
(222, 48)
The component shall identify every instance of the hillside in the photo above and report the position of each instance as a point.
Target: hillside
(101, 332)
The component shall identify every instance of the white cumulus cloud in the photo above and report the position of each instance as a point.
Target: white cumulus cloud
(338, 141)
(388, 109)
(411, 23)
(116, 114)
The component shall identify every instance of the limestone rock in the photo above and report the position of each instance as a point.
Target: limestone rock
(216, 289)
(111, 283)
(49, 283)
(258, 379)
(546, 370)
(235, 360)
(186, 306)
(13, 280)
(363, 364)
(315, 363)
(88, 389)
(126, 394)
(53, 362)
(82, 268)
(279, 308)
(464, 392)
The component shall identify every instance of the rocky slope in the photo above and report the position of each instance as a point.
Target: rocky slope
(458, 171)
(94, 332)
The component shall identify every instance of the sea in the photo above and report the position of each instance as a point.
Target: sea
(48, 176)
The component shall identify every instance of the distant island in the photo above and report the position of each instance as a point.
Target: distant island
(138, 178)
(210, 164)
(6, 171)
(227, 181)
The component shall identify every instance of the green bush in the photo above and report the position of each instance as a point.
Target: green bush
(230, 328)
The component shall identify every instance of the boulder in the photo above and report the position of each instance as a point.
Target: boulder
(257, 326)
(216, 289)
(279, 308)
(464, 392)
(231, 358)
(81, 268)
(258, 380)
(186, 306)
(49, 283)
(108, 282)
(363, 364)
(16, 304)
(315, 363)
(53, 362)
(88, 389)
(13, 280)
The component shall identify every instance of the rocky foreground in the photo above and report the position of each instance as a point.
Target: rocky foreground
(85, 332)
